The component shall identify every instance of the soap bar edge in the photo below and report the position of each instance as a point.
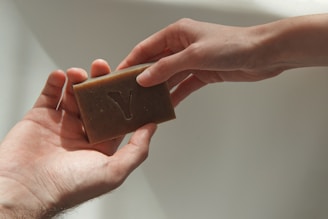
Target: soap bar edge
(112, 76)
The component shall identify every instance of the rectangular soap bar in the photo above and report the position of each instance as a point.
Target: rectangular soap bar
(115, 104)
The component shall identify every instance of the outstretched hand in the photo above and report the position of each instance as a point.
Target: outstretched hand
(192, 54)
(46, 162)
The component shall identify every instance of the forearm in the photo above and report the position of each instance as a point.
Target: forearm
(294, 42)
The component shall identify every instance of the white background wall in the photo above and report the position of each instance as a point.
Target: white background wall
(24, 67)
(237, 150)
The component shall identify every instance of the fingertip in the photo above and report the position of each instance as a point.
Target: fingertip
(144, 78)
(57, 78)
(143, 135)
(76, 75)
(52, 90)
(99, 61)
(100, 67)
(58, 71)
(150, 129)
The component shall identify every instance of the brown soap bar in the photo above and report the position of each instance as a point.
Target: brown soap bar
(115, 104)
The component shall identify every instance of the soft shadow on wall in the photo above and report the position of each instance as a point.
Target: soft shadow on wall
(110, 29)
(24, 67)
(259, 151)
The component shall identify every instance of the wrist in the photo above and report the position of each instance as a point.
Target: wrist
(14, 212)
(268, 53)
(17, 200)
(292, 43)
(24, 192)
(20, 198)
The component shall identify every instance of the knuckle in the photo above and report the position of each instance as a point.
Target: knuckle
(182, 25)
(185, 22)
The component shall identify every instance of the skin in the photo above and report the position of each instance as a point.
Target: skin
(46, 162)
(190, 54)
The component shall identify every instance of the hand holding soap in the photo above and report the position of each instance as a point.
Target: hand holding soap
(115, 104)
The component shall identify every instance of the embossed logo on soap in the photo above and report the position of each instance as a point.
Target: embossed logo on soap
(123, 102)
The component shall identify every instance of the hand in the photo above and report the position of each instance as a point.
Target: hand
(192, 54)
(46, 162)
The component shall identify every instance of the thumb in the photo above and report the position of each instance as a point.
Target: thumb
(135, 152)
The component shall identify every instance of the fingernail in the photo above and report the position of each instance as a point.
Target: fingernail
(143, 76)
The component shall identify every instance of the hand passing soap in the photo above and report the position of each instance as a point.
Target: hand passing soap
(115, 104)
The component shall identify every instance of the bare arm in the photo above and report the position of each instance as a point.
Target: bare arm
(294, 42)
(191, 54)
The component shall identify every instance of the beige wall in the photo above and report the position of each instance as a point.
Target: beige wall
(236, 150)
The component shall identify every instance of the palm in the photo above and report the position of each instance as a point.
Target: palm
(53, 143)
(50, 143)
(66, 157)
